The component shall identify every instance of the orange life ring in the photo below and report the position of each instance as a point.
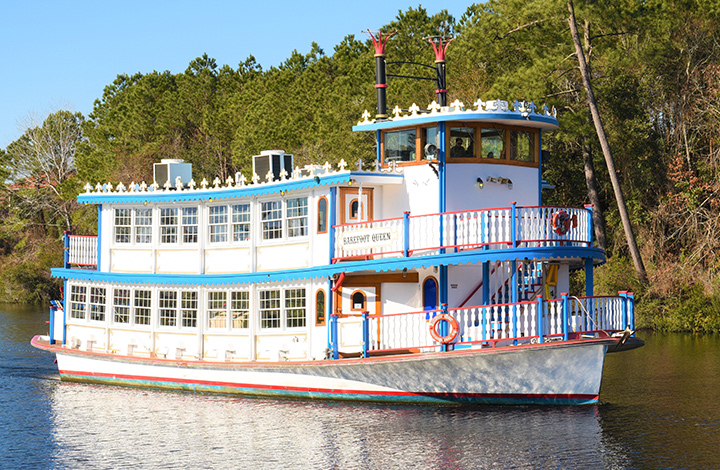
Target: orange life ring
(561, 221)
(452, 334)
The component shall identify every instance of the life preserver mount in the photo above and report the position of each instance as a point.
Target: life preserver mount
(451, 335)
(562, 221)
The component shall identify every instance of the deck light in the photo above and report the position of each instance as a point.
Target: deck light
(317, 179)
(479, 183)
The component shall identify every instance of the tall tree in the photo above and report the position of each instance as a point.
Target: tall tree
(42, 166)
(592, 104)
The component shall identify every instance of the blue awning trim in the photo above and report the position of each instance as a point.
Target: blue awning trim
(320, 272)
(214, 194)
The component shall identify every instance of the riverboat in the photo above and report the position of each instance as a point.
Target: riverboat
(433, 275)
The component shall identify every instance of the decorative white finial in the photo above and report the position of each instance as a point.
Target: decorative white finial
(154, 186)
(342, 164)
(167, 185)
(296, 173)
(143, 186)
(396, 111)
(88, 187)
(479, 105)
(414, 109)
(255, 178)
(434, 107)
(204, 183)
(283, 175)
(216, 183)
(241, 181)
(327, 167)
(458, 105)
(192, 184)
(229, 182)
(366, 118)
(269, 176)
(120, 188)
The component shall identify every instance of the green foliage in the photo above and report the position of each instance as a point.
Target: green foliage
(655, 68)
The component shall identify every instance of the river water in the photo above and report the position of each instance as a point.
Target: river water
(659, 409)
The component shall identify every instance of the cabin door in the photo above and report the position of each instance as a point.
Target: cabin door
(356, 205)
(351, 302)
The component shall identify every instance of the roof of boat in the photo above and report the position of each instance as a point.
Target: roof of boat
(519, 113)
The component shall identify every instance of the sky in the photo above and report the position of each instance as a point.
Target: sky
(61, 54)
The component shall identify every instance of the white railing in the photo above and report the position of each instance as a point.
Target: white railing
(567, 318)
(81, 250)
(499, 228)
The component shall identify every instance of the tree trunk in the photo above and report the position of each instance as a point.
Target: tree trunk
(591, 182)
(627, 226)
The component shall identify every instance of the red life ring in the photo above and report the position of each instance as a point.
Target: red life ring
(452, 334)
(561, 221)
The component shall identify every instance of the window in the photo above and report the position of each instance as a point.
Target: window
(133, 225)
(320, 308)
(218, 219)
(295, 308)
(522, 146)
(189, 224)
(143, 225)
(168, 225)
(123, 225)
(429, 136)
(271, 215)
(189, 308)
(241, 222)
(240, 309)
(78, 301)
(322, 215)
(282, 308)
(121, 305)
(167, 307)
(399, 146)
(217, 309)
(462, 141)
(269, 309)
(296, 212)
(142, 307)
(357, 300)
(97, 303)
(492, 143)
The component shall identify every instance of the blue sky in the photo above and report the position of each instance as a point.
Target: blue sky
(61, 54)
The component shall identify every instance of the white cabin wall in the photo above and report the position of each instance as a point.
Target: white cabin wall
(463, 194)
(462, 280)
(105, 234)
(423, 189)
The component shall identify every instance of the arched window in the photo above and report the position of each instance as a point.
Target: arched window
(358, 300)
(322, 215)
(430, 294)
(354, 209)
(320, 307)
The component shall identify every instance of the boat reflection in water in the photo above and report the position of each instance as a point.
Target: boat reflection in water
(100, 426)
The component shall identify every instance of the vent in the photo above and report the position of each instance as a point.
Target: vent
(272, 160)
(169, 169)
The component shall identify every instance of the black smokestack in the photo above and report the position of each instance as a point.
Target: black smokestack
(379, 42)
(440, 46)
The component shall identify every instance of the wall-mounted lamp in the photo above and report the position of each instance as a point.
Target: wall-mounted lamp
(507, 181)
(317, 179)
(282, 193)
(404, 272)
(351, 182)
(479, 183)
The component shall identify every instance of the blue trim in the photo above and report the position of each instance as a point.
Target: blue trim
(510, 118)
(64, 305)
(221, 193)
(51, 331)
(333, 220)
(66, 249)
(589, 282)
(406, 233)
(378, 151)
(99, 238)
(377, 265)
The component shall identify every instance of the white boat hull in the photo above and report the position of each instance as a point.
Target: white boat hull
(550, 373)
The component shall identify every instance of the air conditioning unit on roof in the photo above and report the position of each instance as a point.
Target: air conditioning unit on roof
(272, 160)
